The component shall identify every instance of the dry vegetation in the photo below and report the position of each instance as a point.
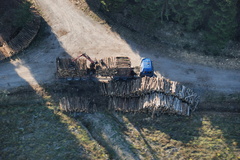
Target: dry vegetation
(203, 136)
(36, 129)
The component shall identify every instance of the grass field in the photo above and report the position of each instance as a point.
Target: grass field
(40, 132)
(32, 127)
(36, 132)
(205, 135)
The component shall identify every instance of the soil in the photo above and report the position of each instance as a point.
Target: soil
(69, 31)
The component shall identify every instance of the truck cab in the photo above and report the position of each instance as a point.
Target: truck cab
(146, 68)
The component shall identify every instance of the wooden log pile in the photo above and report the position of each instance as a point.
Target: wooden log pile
(106, 72)
(114, 66)
(23, 38)
(151, 92)
(147, 85)
(154, 103)
(116, 62)
(123, 62)
(67, 68)
(77, 104)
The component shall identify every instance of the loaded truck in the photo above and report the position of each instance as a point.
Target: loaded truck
(142, 92)
(117, 68)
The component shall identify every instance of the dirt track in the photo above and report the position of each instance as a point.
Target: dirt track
(73, 31)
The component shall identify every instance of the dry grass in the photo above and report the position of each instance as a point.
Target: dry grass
(211, 135)
(33, 131)
(33, 128)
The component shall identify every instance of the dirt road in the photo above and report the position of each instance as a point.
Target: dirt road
(72, 31)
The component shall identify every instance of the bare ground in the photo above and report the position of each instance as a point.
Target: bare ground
(73, 32)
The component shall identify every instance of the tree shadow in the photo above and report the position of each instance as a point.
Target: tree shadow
(144, 44)
(160, 136)
(229, 124)
(28, 93)
(180, 128)
(34, 132)
(206, 130)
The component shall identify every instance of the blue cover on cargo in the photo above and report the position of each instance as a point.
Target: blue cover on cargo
(146, 67)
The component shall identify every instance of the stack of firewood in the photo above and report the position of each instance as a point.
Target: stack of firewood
(116, 62)
(153, 103)
(112, 66)
(152, 93)
(67, 68)
(81, 64)
(123, 62)
(147, 85)
(23, 38)
(76, 104)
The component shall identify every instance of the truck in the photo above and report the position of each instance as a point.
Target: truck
(123, 87)
(116, 68)
(146, 68)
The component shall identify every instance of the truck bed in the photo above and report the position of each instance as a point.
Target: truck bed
(66, 68)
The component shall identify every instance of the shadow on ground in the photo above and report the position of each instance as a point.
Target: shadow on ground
(58, 135)
(183, 129)
(203, 135)
(32, 126)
